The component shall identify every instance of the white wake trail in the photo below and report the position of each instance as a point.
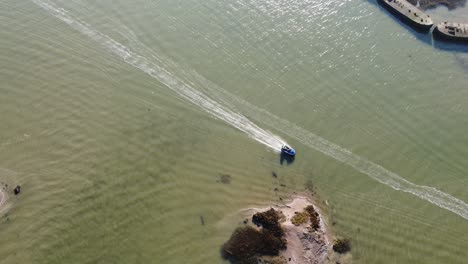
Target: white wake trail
(361, 164)
(239, 121)
(177, 85)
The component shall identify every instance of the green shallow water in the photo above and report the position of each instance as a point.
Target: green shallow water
(118, 166)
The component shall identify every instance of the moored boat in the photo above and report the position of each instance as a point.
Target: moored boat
(408, 13)
(451, 31)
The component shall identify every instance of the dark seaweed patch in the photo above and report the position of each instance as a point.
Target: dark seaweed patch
(225, 178)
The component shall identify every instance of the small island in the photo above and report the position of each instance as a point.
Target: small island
(293, 233)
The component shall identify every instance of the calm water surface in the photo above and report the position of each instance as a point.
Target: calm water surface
(118, 118)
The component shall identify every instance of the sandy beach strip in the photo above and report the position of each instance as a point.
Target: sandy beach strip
(3, 199)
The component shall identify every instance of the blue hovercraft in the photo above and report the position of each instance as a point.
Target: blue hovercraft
(288, 150)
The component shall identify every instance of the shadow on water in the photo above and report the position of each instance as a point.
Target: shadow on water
(449, 46)
(422, 35)
(462, 59)
(285, 158)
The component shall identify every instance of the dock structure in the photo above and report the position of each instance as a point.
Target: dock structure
(409, 14)
(451, 31)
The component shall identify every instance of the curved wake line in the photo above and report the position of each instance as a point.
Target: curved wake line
(381, 174)
(361, 164)
(172, 82)
(240, 122)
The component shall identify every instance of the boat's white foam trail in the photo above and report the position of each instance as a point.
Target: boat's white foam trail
(161, 74)
(379, 173)
(239, 121)
(339, 153)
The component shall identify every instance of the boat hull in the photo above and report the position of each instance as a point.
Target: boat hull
(438, 35)
(290, 153)
(408, 21)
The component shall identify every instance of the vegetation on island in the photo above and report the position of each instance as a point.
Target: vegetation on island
(248, 243)
(300, 218)
(341, 245)
(314, 217)
(309, 214)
